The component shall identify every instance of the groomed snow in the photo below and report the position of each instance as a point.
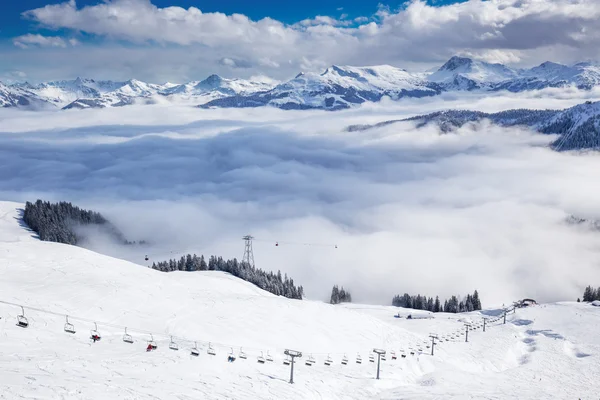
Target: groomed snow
(548, 351)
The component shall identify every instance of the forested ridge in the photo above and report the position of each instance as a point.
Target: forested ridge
(451, 305)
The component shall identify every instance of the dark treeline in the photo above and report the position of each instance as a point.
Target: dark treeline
(340, 296)
(591, 294)
(59, 222)
(274, 283)
(451, 305)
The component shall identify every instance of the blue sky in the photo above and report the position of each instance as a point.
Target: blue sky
(166, 40)
(12, 24)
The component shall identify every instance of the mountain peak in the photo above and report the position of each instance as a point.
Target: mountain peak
(213, 80)
(455, 63)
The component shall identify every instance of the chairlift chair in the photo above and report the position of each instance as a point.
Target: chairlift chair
(195, 352)
(69, 328)
(358, 359)
(22, 319)
(94, 333)
(345, 360)
(371, 358)
(173, 345)
(127, 337)
(211, 351)
(152, 343)
(261, 358)
(242, 354)
(231, 356)
(146, 258)
(269, 358)
(403, 354)
(393, 353)
(310, 361)
(286, 360)
(383, 357)
(328, 360)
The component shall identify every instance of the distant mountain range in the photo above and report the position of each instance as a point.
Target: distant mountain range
(578, 127)
(336, 88)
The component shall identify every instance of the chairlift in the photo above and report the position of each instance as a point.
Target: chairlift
(328, 360)
(211, 351)
(146, 258)
(242, 354)
(345, 360)
(195, 352)
(286, 360)
(383, 357)
(127, 337)
(358, 359)
(22, 319)
(393, 353)
(95, 334)
(412, 352)
(371, 358)
(173, 345)
(231, 356)
(69, 328)
(269, 358)
(151, 344)
(261, 359)
(310, 361)
(403, 354)
(276, 244)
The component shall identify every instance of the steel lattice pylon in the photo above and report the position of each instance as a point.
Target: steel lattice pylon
(248, 253)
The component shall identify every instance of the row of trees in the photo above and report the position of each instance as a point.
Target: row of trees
(274, 283)
(340, 296)
(591, 294)
(451, 305)
(62, 222)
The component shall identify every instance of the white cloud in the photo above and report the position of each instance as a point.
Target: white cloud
(521, 31)
(411, 210)
(31, 40)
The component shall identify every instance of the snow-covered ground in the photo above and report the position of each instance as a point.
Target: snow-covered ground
(547, 351)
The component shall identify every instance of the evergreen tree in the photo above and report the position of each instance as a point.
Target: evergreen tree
(588, 294)
(476, 301)
(437, 307)
(335, 295)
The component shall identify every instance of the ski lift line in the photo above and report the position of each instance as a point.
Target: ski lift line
(281, 242)
(166, 336)
(145, 332)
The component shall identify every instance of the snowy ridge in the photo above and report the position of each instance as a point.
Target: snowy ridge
(338, 87)
(547, 351)
(578, 126)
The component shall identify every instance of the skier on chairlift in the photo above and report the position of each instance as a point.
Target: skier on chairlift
(149, 348)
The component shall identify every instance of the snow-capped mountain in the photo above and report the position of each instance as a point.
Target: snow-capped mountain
(578, 126)
(583, 76)
(337, 88)
(18, 96)
(461, 73)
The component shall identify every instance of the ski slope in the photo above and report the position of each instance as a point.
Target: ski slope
(548, 351)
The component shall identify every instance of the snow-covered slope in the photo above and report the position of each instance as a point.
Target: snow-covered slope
(546, 352)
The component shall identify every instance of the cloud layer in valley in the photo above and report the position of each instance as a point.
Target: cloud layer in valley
(507, 31)
(410, 209)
